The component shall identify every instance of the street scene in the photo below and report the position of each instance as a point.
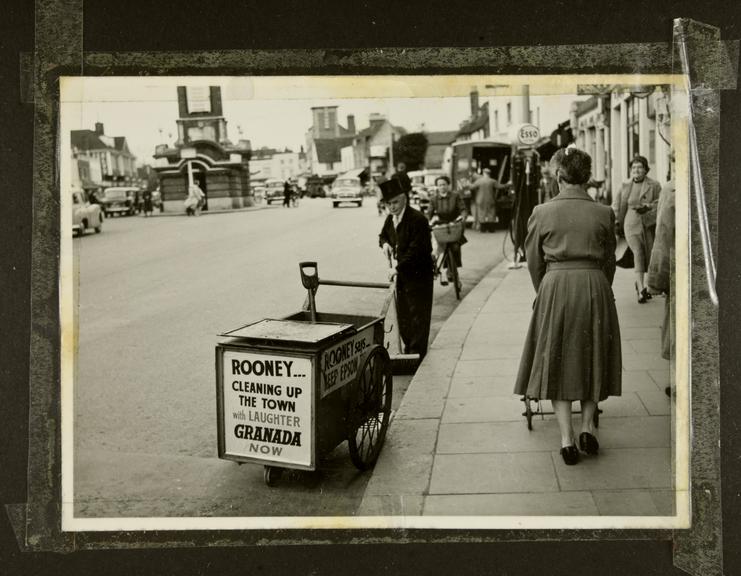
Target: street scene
(252, 338)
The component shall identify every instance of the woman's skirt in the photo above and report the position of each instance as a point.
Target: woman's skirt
(572, 351)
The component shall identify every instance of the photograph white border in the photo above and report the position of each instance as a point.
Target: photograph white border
(72, 89)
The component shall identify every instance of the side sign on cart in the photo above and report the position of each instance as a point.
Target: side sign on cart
(267, 406)
(340, 363)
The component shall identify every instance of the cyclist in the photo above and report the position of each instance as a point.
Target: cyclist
(447, 206)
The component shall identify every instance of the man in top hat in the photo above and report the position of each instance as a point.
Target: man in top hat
(406, 236)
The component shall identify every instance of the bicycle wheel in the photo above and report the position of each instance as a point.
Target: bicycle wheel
(369, 408)
(454, 272)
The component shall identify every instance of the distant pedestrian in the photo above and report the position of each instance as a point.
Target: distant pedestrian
(287, 194)
(147, 202)
(548, 185)
(484, 192)
(194, 201)
(406, 237)
(572, 351)
(635, 206)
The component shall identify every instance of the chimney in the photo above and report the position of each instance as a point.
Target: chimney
(375, 118)
(351, 124)
(99, 128)
(474, 102)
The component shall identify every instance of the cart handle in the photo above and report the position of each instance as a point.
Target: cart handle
(309, 275)
(380, 285)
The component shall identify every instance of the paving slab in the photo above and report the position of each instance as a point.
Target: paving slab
(467, 386)
(491, 437)
(486, 409)
(532, 504)
(492, 473)
(498, 367)
(625, 503)
(616, 469)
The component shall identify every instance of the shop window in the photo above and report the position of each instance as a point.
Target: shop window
(509, 113)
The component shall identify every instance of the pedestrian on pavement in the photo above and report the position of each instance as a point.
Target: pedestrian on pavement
(635, 206)
(484, 191)
(194, 201)
(447, 206)
(548, 186)
(286, 194)
(572, 351)
(405, 236)
(659, 268)
(147, 205)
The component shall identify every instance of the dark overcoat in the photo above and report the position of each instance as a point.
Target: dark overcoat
(412, 246)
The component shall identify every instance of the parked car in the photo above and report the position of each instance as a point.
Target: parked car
(120, 200)
(347, 188)
(85, 215)
(274, 190)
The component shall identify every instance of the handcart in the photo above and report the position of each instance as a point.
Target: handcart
(529, 412)
(290, 390)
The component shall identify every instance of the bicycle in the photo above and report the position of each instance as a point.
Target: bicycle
(449, 234)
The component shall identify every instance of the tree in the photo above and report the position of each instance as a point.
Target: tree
(411, 149)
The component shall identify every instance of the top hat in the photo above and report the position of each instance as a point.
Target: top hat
(391, 189)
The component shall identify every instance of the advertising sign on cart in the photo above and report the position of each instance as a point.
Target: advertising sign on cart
(267, 406)
(340, 363)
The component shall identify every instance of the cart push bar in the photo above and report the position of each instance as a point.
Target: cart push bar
(402, 363)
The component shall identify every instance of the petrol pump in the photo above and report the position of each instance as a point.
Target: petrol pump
(525, 183)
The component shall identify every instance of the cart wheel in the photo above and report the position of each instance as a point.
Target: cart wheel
(272, 475)
(369, 407)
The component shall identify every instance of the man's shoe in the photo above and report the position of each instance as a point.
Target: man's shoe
(570, 455)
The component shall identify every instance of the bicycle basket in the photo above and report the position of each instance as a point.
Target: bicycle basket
(450, 232)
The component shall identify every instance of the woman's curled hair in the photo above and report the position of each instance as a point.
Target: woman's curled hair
(574, 166)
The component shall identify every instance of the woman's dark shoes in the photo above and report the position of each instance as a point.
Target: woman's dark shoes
(588, 443)
(570, 455)
(646, 295)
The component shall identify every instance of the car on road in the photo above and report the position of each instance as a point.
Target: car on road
(120, 200)
(347, 188)
(85, 215)
(274, 190)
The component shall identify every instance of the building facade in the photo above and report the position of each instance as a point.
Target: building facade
(203, 155)
(266, 163)
(372, 147)
(325, 140)
(99, 160)
(615, 126)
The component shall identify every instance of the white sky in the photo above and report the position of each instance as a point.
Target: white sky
(275, 111)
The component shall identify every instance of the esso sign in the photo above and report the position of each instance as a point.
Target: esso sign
(528, 134)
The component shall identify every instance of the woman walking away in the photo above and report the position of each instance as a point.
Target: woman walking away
(572, 351)
(635, 206)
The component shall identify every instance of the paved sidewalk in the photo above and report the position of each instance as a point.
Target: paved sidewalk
(459, 444)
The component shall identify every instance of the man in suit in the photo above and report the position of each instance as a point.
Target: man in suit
(406, 236)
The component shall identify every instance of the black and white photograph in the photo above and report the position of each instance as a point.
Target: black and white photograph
(374, 301)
